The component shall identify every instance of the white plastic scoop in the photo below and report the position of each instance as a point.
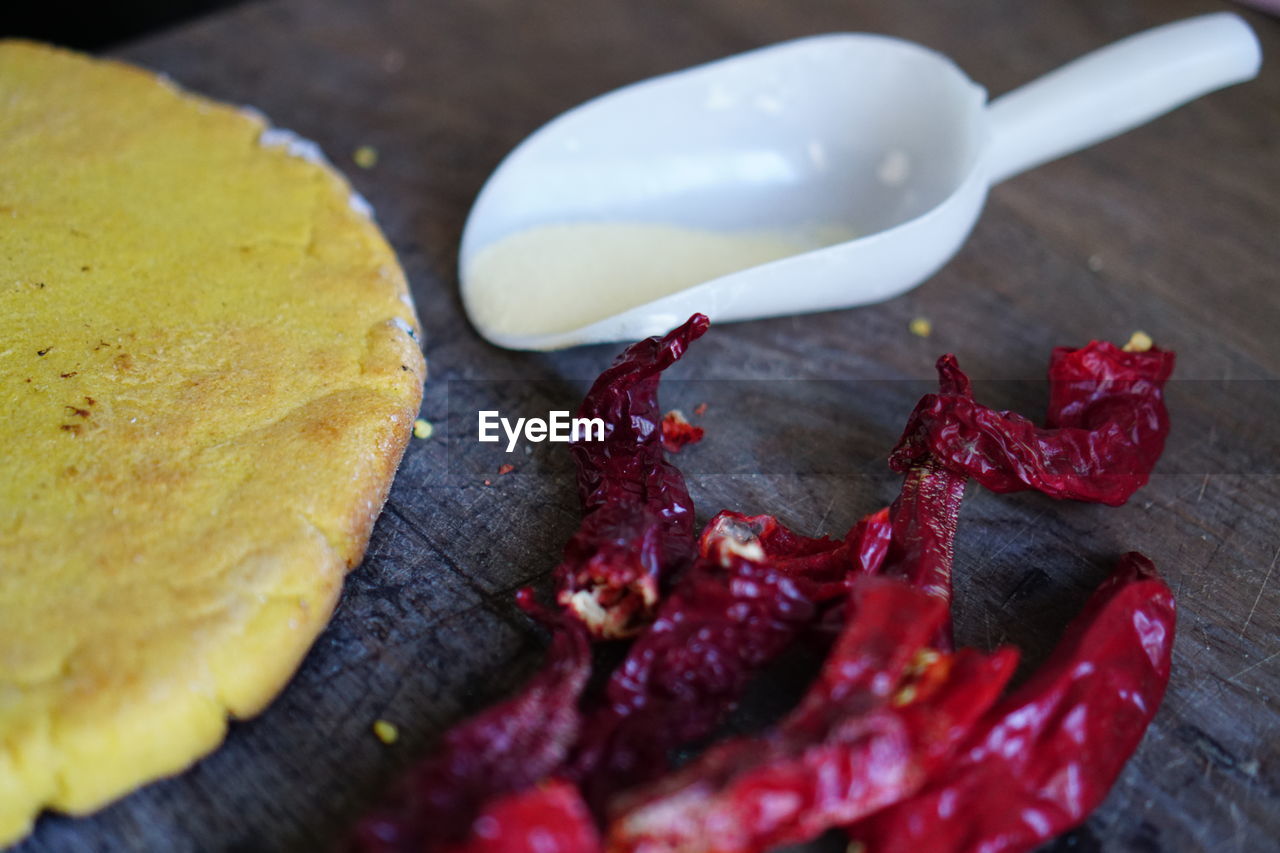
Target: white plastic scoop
(725, 182)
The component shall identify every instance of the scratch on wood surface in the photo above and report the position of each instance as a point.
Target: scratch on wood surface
(1218, 545)
(1203, 692)
(822, 521)
(1171, 504)
(1203, 645)
(1016, 536)
(498, 602)
(1234, 839)
(1202, 487)
(1258, 597)
(1251, 667)
(1241, 830)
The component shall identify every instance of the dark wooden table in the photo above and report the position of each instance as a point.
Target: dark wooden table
(1173, 228)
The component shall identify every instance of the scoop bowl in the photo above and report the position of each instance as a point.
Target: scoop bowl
(841, 134)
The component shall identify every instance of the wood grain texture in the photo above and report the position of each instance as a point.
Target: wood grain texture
(1171, 228)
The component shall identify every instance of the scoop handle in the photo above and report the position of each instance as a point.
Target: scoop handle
(1116, 88)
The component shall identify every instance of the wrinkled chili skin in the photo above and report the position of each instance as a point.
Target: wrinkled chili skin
(637, 524)
(547, 818)
(925, 515)
(924, 518)
(754, 588)
(867, 734)
(506, 748)
(1046, 756)
(1107, 425)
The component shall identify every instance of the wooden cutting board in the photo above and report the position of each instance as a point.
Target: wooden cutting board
(1171, 229)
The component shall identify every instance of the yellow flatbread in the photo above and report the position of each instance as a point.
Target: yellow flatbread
(208, 374)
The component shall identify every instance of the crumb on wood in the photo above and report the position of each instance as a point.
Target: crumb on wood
(678, 432)
(920, 327)
(366, 156)
(505, 468)
(422, 428)
(1139, 341)
(385, 731)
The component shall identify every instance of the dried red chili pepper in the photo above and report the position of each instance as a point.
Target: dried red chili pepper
(887, 713)
(637, 524)
(549, 818)
(872, 535)
(678, 432)
(1105, 430)
(861, 551)
(923, 528)
(1045, 757)
(505, 749)
(867, 734)
(755, 586)
(1107, 425)
(926, 512)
